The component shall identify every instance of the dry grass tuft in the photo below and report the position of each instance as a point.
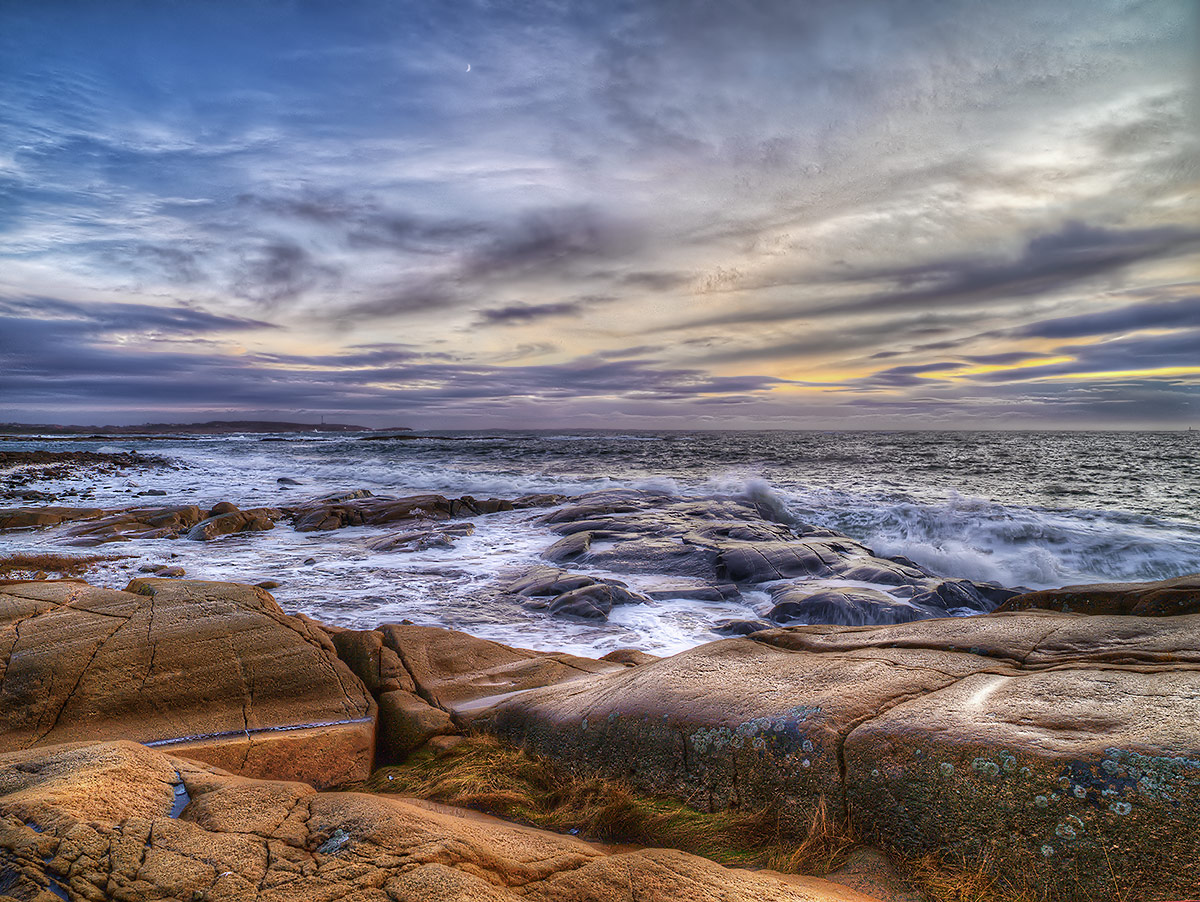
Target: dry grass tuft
(826, 845)
(488, 775)
(942, 878)
(29, 565)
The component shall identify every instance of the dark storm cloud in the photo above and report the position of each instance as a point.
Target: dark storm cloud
(635, 351)
(1133, 353)
(656, 280)
(854, 336)
(534, 246)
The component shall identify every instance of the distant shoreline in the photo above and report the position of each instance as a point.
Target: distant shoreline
(213, 427)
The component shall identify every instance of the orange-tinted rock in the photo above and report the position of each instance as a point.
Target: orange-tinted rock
(1057, 746)
(421, 676)
(407, 722)
(372, 510)
(257, 519)
(36, 517)
(451, 668)
(173, 659)
(135, 523)
(1166, 598)
(104, 813)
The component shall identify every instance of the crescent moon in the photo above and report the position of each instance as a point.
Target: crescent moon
(468, 67)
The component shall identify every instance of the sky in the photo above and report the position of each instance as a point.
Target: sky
(862, 214)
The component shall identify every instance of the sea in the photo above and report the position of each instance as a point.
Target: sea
(1032, 509)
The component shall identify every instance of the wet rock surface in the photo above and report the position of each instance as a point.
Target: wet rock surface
(615, 548)
(1166, 598)
(96, 821)
(134, 523)
(20, 468)
(1059, 745)
(214, 668)
(365, 509)
(715, 549)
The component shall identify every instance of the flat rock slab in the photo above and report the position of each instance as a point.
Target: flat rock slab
(37, 517)
(98, 820)
(1064, 746)
(216, 664)
(1166, 598)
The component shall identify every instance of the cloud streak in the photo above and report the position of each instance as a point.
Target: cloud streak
(771, 213)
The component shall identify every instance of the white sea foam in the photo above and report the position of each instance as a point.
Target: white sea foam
(897, 512)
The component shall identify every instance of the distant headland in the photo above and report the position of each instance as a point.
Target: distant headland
(213, 427)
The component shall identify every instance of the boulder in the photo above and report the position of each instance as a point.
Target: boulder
(548, 582)
(1063, 748)
(337, 512)
(407, 722)
(214, 671)
(134, 523)
(594, 602)
(38, 517)
(1169, 597)
(451, 669)
(120, 821)
(440, 536)
(422, 676)
(741, 627)
(258, 519)
(629, 657)
(852, 607)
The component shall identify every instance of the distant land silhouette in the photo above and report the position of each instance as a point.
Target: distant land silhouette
(213, 427)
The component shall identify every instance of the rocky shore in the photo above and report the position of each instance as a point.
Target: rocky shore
(19, 469)
(185, 739)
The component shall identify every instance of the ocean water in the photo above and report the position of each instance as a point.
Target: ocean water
(1020, 509)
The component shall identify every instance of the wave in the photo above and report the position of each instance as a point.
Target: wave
(1015, 546)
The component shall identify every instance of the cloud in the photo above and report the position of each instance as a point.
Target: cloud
(1179, 314)
(99, 318)
(904, 184)
(281, 271)
(521, 314)
(84, 356)
(1048, 263)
